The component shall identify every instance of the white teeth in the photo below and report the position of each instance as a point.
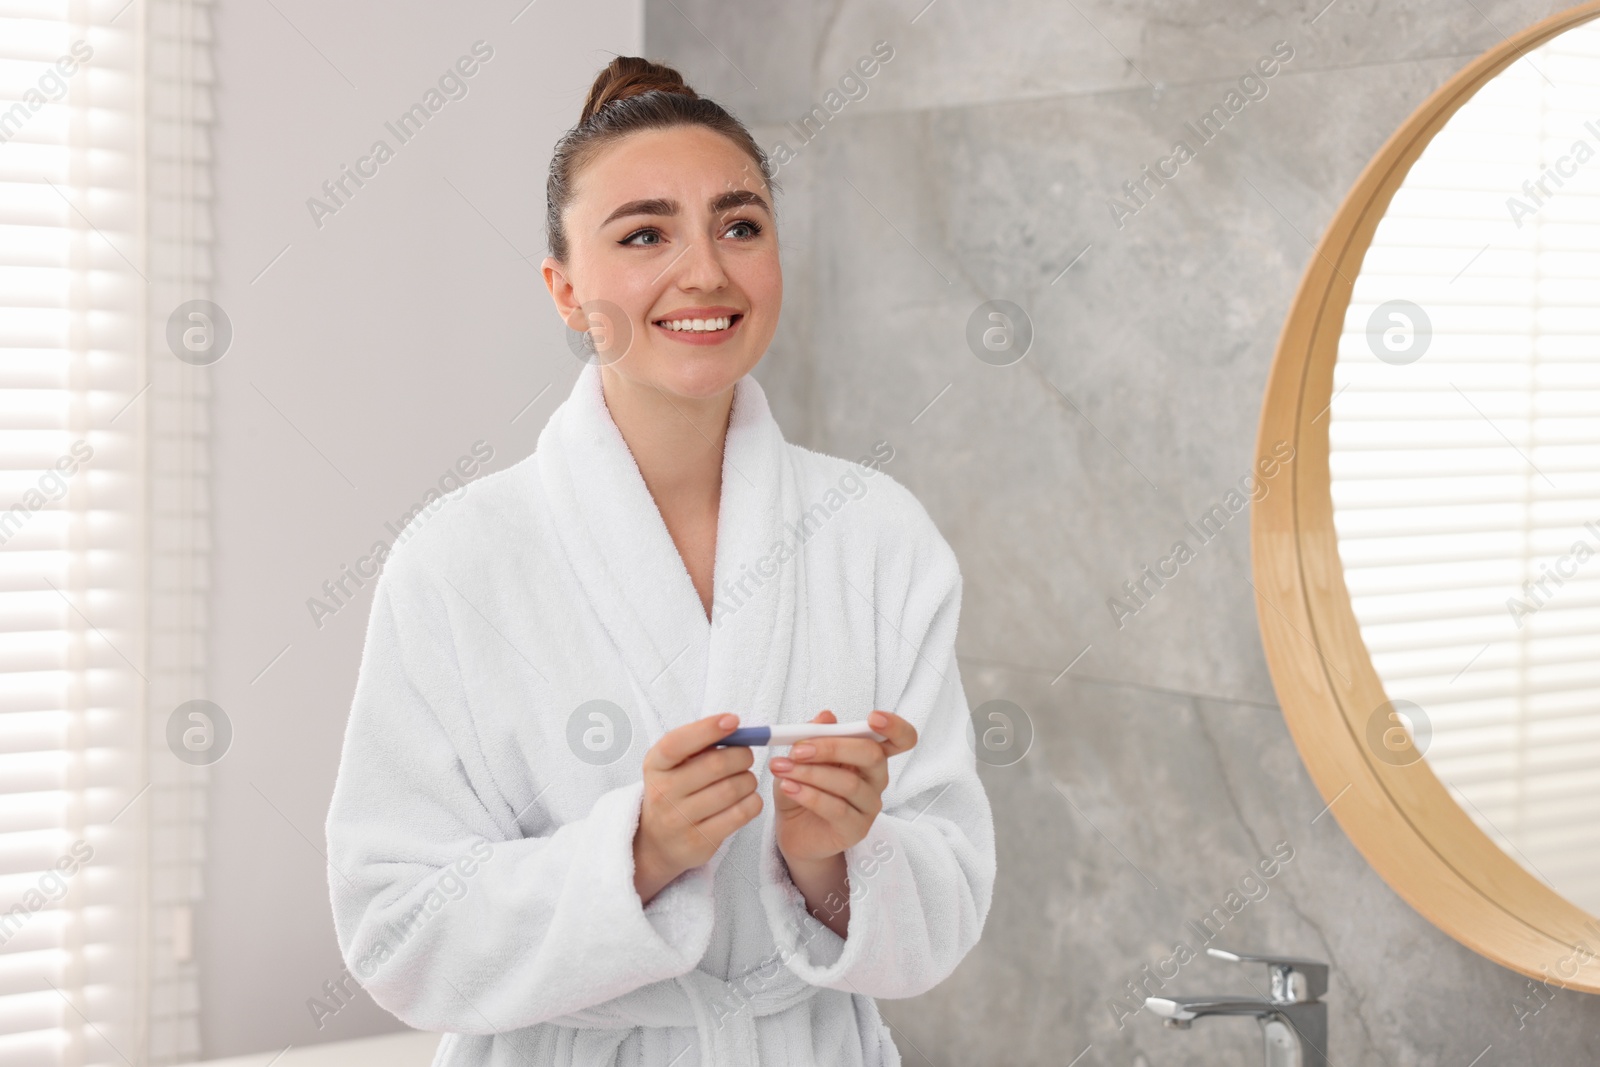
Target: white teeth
(699, 325)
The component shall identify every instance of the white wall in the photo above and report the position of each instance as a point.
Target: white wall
(366, 361)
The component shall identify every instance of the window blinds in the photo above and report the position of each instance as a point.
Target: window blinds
(1465, 458)
(104, 169)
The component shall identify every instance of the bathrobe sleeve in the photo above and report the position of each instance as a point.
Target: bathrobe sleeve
(444, 912)
(922, 879)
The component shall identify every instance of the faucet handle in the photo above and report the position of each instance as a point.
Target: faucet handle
(1294, 980)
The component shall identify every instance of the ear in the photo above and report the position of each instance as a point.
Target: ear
(562, 293)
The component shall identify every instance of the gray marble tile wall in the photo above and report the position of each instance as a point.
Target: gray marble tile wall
(980, 164)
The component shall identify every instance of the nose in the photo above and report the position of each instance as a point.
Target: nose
(700, 267)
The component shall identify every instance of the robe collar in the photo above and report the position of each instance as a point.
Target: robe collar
(683, 666)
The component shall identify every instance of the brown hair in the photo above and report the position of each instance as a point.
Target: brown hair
(633, 94)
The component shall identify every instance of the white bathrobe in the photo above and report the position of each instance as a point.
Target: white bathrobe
(481, 829)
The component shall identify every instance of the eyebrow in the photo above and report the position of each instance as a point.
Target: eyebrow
(657, 206)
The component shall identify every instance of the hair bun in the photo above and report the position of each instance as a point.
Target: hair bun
(628, 76)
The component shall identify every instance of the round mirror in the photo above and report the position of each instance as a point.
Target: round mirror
(1464, 457)
(1429, 589)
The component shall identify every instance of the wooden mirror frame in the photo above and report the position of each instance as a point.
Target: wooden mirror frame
(1401, 818)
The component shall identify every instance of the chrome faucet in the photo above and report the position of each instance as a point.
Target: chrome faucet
(1294, 1021)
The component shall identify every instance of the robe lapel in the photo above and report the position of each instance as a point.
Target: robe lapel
(683, 666)
(753, 615)
(623, 556)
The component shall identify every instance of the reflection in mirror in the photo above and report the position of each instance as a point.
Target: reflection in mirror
(1464, 444)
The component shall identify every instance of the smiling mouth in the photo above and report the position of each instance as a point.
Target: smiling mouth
(704, 327)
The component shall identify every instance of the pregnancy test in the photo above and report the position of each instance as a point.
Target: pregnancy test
(758, 736)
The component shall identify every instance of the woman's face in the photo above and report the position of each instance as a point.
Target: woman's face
(672, 226)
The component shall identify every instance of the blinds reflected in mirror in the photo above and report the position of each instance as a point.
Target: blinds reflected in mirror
(1465, 459)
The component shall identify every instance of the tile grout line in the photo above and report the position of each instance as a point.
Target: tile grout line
(1120, 683)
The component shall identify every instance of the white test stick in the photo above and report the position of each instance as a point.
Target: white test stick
(789, 734)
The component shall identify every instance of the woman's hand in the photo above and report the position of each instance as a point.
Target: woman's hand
(826, 799)
(694, 797)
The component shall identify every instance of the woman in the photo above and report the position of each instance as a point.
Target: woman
(504, 866)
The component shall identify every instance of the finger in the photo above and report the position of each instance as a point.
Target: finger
(902, 736)
(671, 821)
(703, 803)
(729, 819)
(842, 782)
(847, 751)
(684, 818)
(708, 766)
(862, 754)
(679, 744)
(837, 813)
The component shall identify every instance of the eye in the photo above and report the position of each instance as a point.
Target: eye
(646, 232)
(751, 229)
